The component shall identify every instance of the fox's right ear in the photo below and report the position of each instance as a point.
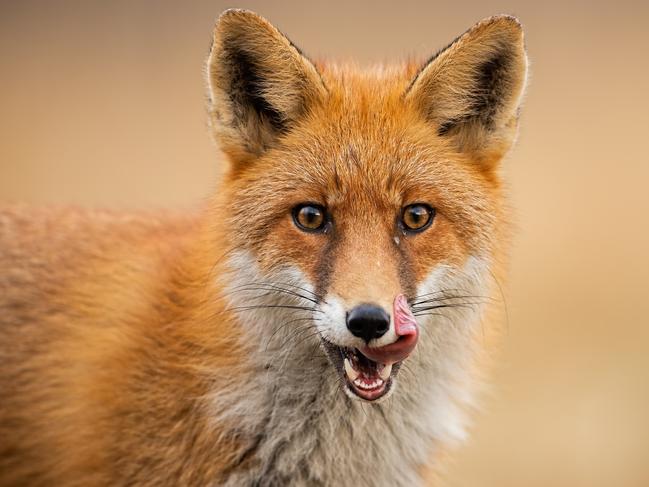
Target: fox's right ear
(471, 91)
(259, 84)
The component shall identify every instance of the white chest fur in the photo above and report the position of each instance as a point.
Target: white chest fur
(302, 429)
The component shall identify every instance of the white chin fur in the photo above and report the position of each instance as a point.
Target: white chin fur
(429, 399)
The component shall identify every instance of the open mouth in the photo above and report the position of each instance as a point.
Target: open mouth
(369, 372)
(364, 377)
(368, 378)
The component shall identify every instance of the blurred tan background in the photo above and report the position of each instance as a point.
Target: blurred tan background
(102, 103)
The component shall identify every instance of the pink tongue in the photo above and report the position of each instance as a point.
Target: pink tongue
(404, 320)
(406, 329)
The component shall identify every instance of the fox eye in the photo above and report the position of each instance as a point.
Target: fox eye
(417, 217)
(309, 217)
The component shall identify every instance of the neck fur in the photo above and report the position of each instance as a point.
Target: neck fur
(302, 429)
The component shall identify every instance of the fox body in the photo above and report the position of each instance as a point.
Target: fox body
(320, 322)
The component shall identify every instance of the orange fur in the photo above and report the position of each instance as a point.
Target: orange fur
(115, 328)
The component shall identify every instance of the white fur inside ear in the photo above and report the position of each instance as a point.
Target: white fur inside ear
(259, 83)
(471, 90)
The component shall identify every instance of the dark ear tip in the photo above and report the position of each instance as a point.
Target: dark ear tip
(506, 19)
(237, 12)
(504, 30)
(235, 18)
(503, 24)
(502, 20)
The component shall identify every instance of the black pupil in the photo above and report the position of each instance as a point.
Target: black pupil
(418, 215)
(310, 216)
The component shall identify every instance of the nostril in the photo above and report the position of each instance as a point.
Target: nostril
(355, 326)
(368, 321)
(382, 328)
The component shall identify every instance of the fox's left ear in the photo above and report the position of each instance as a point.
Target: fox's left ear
(471, 91)
(259, 84)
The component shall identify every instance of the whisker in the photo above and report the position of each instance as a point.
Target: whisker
(363, 409)
(211, 272)
(502, 295)
(465, 296)
(303, 339)
(283, 326)
(441, 291)
(272, 306)
(415, 311)
(441, 315)
(316, 346)
(295, 334)
(287, 353)
(271, 287)
(284, 285)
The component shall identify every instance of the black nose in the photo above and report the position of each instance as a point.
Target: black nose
(368, 321)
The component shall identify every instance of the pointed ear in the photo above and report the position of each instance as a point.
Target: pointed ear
(471, 90)
(259, 84)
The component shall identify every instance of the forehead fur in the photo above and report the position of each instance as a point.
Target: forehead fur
(366, 148)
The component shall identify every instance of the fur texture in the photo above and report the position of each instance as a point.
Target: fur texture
(163, 349)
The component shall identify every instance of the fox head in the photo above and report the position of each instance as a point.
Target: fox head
(363, 208)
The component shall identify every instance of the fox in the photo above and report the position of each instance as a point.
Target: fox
(326, 317)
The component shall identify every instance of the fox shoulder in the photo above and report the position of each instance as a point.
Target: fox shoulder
(50, 256)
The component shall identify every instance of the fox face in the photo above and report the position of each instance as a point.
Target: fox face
(364, 211)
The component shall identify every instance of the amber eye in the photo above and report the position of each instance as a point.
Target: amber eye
(309, 217)
(417, 217)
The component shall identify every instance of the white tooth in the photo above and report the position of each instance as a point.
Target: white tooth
(358, 382)
(351, 373)
(385, 372)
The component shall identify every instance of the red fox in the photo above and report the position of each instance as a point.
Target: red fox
(320, 322)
